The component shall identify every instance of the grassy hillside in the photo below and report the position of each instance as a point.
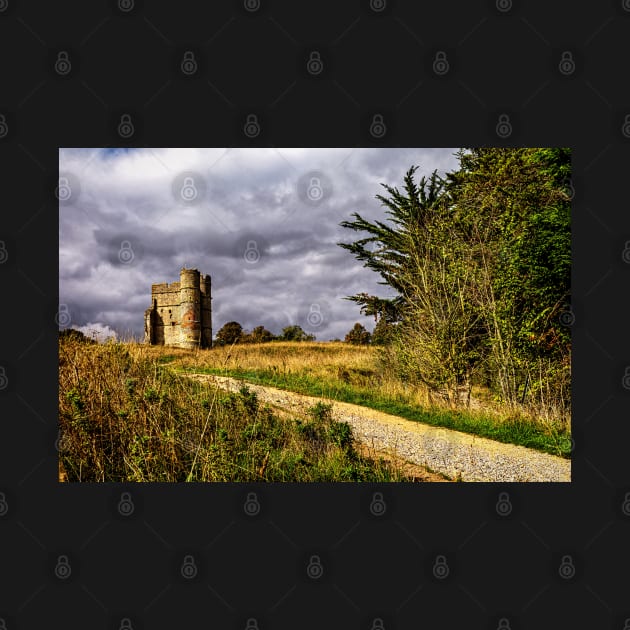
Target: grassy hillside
(126, 416)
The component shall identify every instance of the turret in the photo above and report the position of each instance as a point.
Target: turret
(190, 309)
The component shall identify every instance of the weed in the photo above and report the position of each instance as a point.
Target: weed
(125, 415)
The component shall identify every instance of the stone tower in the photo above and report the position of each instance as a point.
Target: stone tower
(180, 314)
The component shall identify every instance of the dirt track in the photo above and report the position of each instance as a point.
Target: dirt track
(430, 453)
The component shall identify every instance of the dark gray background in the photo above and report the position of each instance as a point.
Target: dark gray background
(503, 60)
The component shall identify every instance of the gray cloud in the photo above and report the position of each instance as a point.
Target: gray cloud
(248, 220)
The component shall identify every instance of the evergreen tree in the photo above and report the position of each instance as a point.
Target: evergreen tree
(388, 248)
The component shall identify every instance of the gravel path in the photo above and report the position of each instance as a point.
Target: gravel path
(452, 453)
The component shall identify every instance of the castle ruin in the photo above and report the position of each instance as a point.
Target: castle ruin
(181, 312)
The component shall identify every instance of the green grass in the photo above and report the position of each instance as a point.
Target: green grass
(516, 430)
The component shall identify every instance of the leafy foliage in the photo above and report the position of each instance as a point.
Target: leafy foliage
(383, 332)
(479, 261)
(358, 335)
(229, 334)
(295, 333)
(258, 335)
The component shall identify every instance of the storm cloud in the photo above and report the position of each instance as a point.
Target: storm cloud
(264, 223)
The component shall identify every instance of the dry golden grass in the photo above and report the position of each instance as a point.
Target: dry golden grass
(125, 416)
(337, 362)
(359, 374)
(331, 362)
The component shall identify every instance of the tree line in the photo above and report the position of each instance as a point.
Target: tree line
(233, 332)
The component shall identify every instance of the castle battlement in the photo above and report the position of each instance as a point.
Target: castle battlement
(164, 286)
(180, 314)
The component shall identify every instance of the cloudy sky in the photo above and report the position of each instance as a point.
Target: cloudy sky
(264, 223)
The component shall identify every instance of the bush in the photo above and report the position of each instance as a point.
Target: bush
(358, 335)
